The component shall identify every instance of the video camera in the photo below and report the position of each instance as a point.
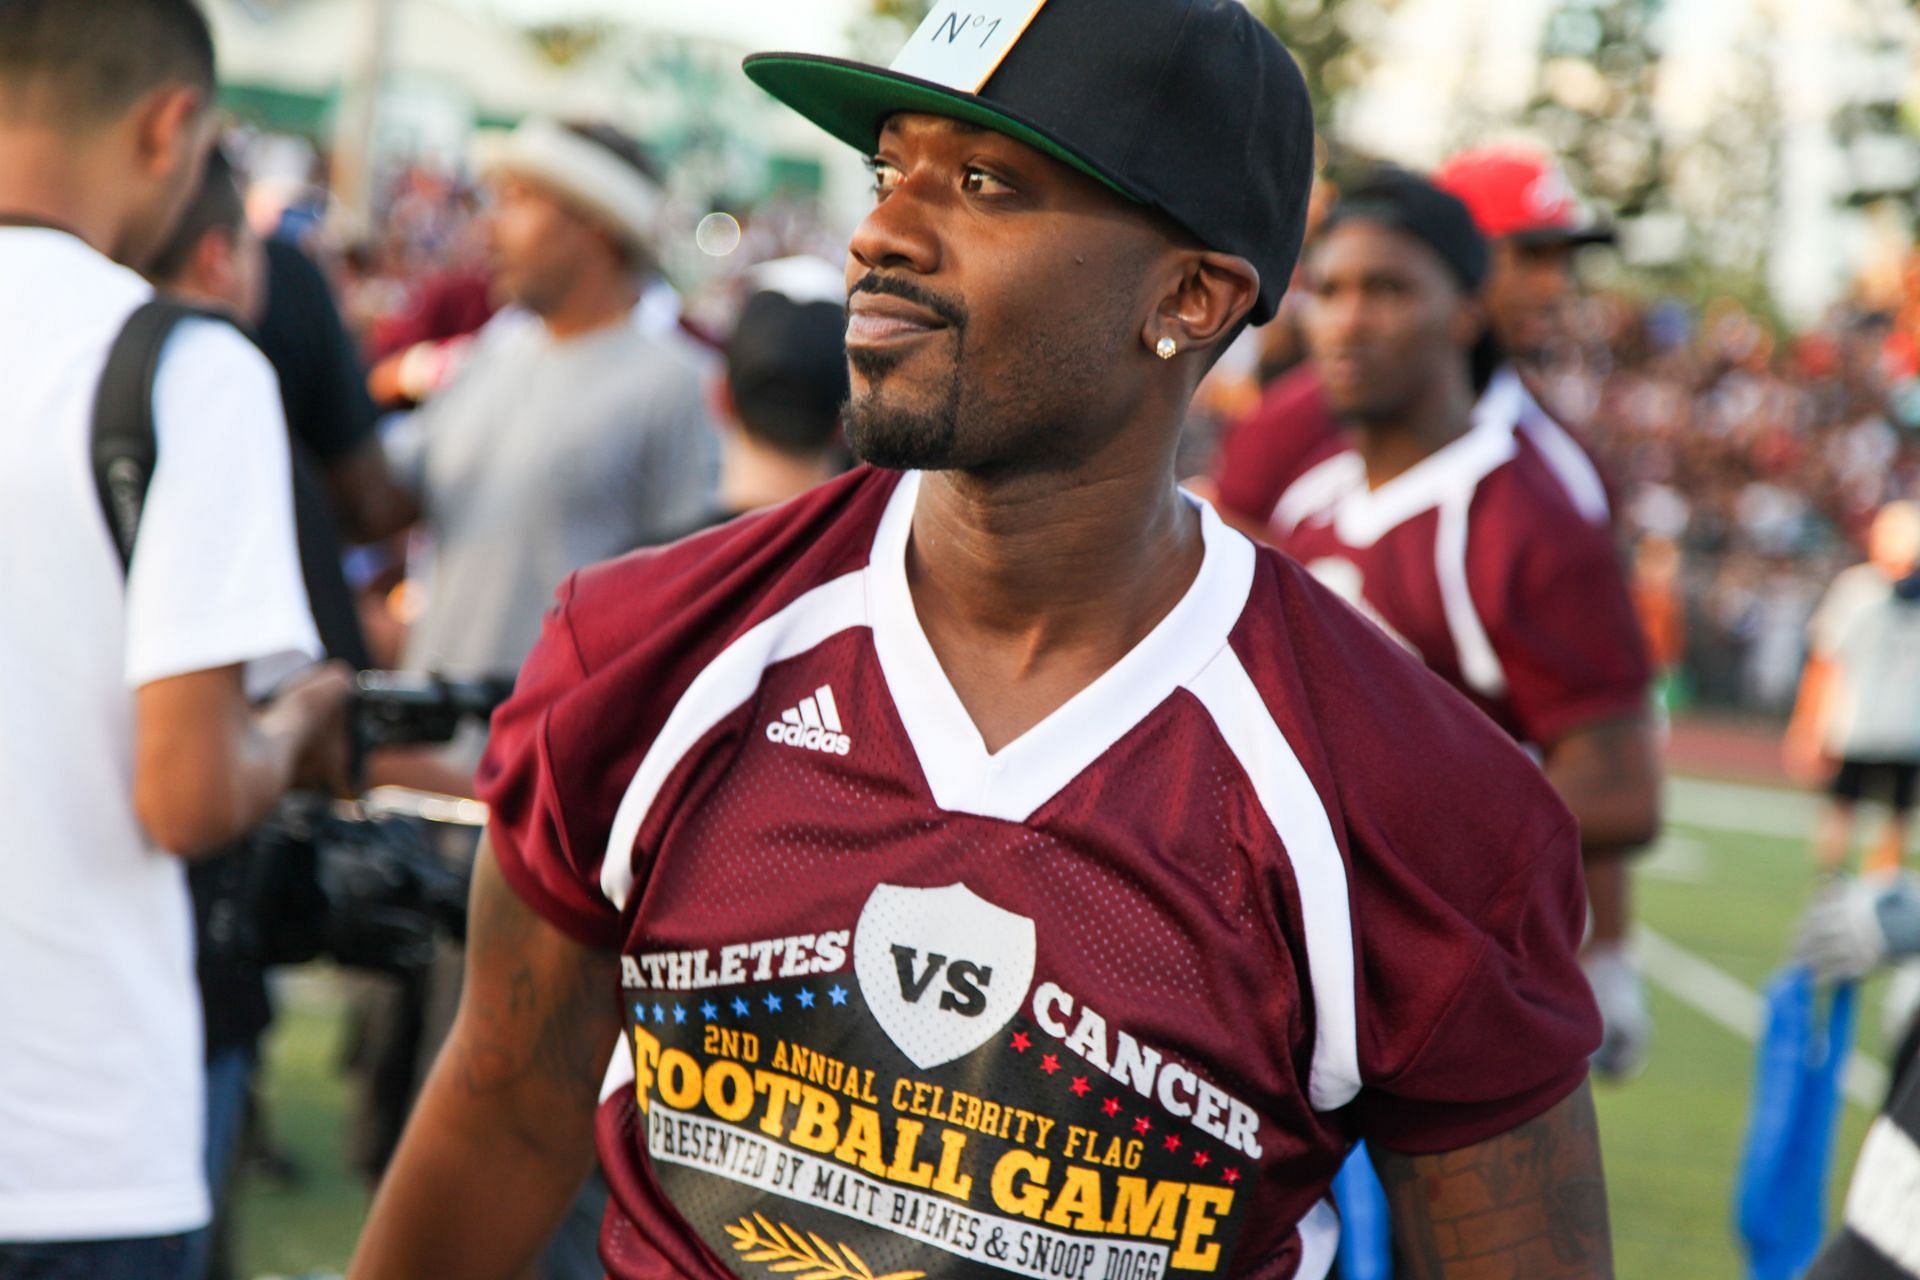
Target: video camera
(370, 883)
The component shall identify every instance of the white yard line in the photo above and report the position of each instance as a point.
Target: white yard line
(1679, 858)
(1704, 987)
(1720, 997)
(1748, 810)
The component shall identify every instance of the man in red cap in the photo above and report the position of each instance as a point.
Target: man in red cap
(1525, 207)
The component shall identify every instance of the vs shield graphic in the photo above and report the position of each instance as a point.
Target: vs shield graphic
(942, 970)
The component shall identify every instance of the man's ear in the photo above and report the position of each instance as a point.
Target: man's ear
(171, 126)
(1211, 295)
(211, 266)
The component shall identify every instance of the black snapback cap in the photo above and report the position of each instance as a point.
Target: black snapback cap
(1190, 107)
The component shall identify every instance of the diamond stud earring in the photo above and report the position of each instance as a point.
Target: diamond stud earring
(1166, 348)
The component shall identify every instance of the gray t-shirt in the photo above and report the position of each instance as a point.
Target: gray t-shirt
(544, 457)
(1873, 639)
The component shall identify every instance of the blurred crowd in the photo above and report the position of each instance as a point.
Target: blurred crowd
(1745, 462)
(1747, 466)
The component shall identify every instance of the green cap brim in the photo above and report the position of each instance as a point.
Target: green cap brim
(852, 100)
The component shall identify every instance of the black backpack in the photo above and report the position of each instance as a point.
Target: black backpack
(124, 448)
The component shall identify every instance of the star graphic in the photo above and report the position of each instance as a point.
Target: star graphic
(1080, 1087)
(659, 1014)
(1050, 1063)
(1111, 1106)
(1141, 1126)
(1232, 1176)
(1022, 1042)
(640, 1012)
(709, 1010)
(679, 1014)
(1173, 1142)
(837, 993)
(741, 1008)
(773, 1003)
(805, 997)
(1200, 1159)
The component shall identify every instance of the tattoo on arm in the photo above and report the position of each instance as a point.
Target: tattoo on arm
(538, 1016)
(1531, 1202)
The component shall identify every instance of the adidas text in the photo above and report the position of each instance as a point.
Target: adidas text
(814, 725)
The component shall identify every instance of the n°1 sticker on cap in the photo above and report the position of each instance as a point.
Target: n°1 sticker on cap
(963, 42)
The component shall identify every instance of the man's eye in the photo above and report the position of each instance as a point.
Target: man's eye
(979, 182)
(885, 176)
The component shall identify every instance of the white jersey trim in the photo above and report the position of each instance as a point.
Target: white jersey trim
(1319, 1241)
(1562, 453)
(620, 1073)
(1010, 784)
(1884, 1194)
(726, 684)
(1444, 482)
(1294, 809)
(1479, 664)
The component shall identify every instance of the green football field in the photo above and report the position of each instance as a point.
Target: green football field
(1719, 898)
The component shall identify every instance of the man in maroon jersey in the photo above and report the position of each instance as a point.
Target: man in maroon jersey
(1004, 868)
(1523, 204)
(1436, 520)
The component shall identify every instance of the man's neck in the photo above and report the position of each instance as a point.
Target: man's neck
(753, 475)
(44, 178)
(1029, 590)
(1391, 446)
(598, 302)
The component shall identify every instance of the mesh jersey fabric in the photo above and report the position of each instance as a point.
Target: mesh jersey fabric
(1116, 999)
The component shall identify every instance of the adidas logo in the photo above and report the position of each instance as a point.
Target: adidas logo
(814, 725)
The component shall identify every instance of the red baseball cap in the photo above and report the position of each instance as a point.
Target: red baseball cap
(1518, 195)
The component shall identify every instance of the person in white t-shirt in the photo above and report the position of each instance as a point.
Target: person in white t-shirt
(1856, 722)
(127, 733)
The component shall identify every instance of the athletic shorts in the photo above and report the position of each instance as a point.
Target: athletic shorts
(1890, 781)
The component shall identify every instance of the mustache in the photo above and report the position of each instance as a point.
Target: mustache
(950, 310)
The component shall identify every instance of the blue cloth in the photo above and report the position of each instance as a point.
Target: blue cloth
(1796, 1101)
(1366, 1237)
(159, 1258)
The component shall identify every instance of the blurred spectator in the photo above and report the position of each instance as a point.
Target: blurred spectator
(216, 261)
(574, 431)
(1858, 714)
(125, 695)
(568, 436)
(786, 380)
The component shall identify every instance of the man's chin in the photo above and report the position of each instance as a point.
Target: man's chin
(900, 432)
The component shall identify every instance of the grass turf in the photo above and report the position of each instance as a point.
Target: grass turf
(1672, 1135)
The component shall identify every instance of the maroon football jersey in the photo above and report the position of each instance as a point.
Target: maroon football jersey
(1113, 1001)
(1477, 559)
(1263, 453)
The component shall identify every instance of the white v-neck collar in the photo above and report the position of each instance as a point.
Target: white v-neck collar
(1362, 516)
(1023, 775)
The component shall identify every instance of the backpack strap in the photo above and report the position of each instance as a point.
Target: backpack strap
(124, 446)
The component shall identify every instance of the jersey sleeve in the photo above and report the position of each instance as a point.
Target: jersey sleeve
(215, 577)
(1466, 900)
(548, 838)
(1479, 1017)
(1561, 622)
